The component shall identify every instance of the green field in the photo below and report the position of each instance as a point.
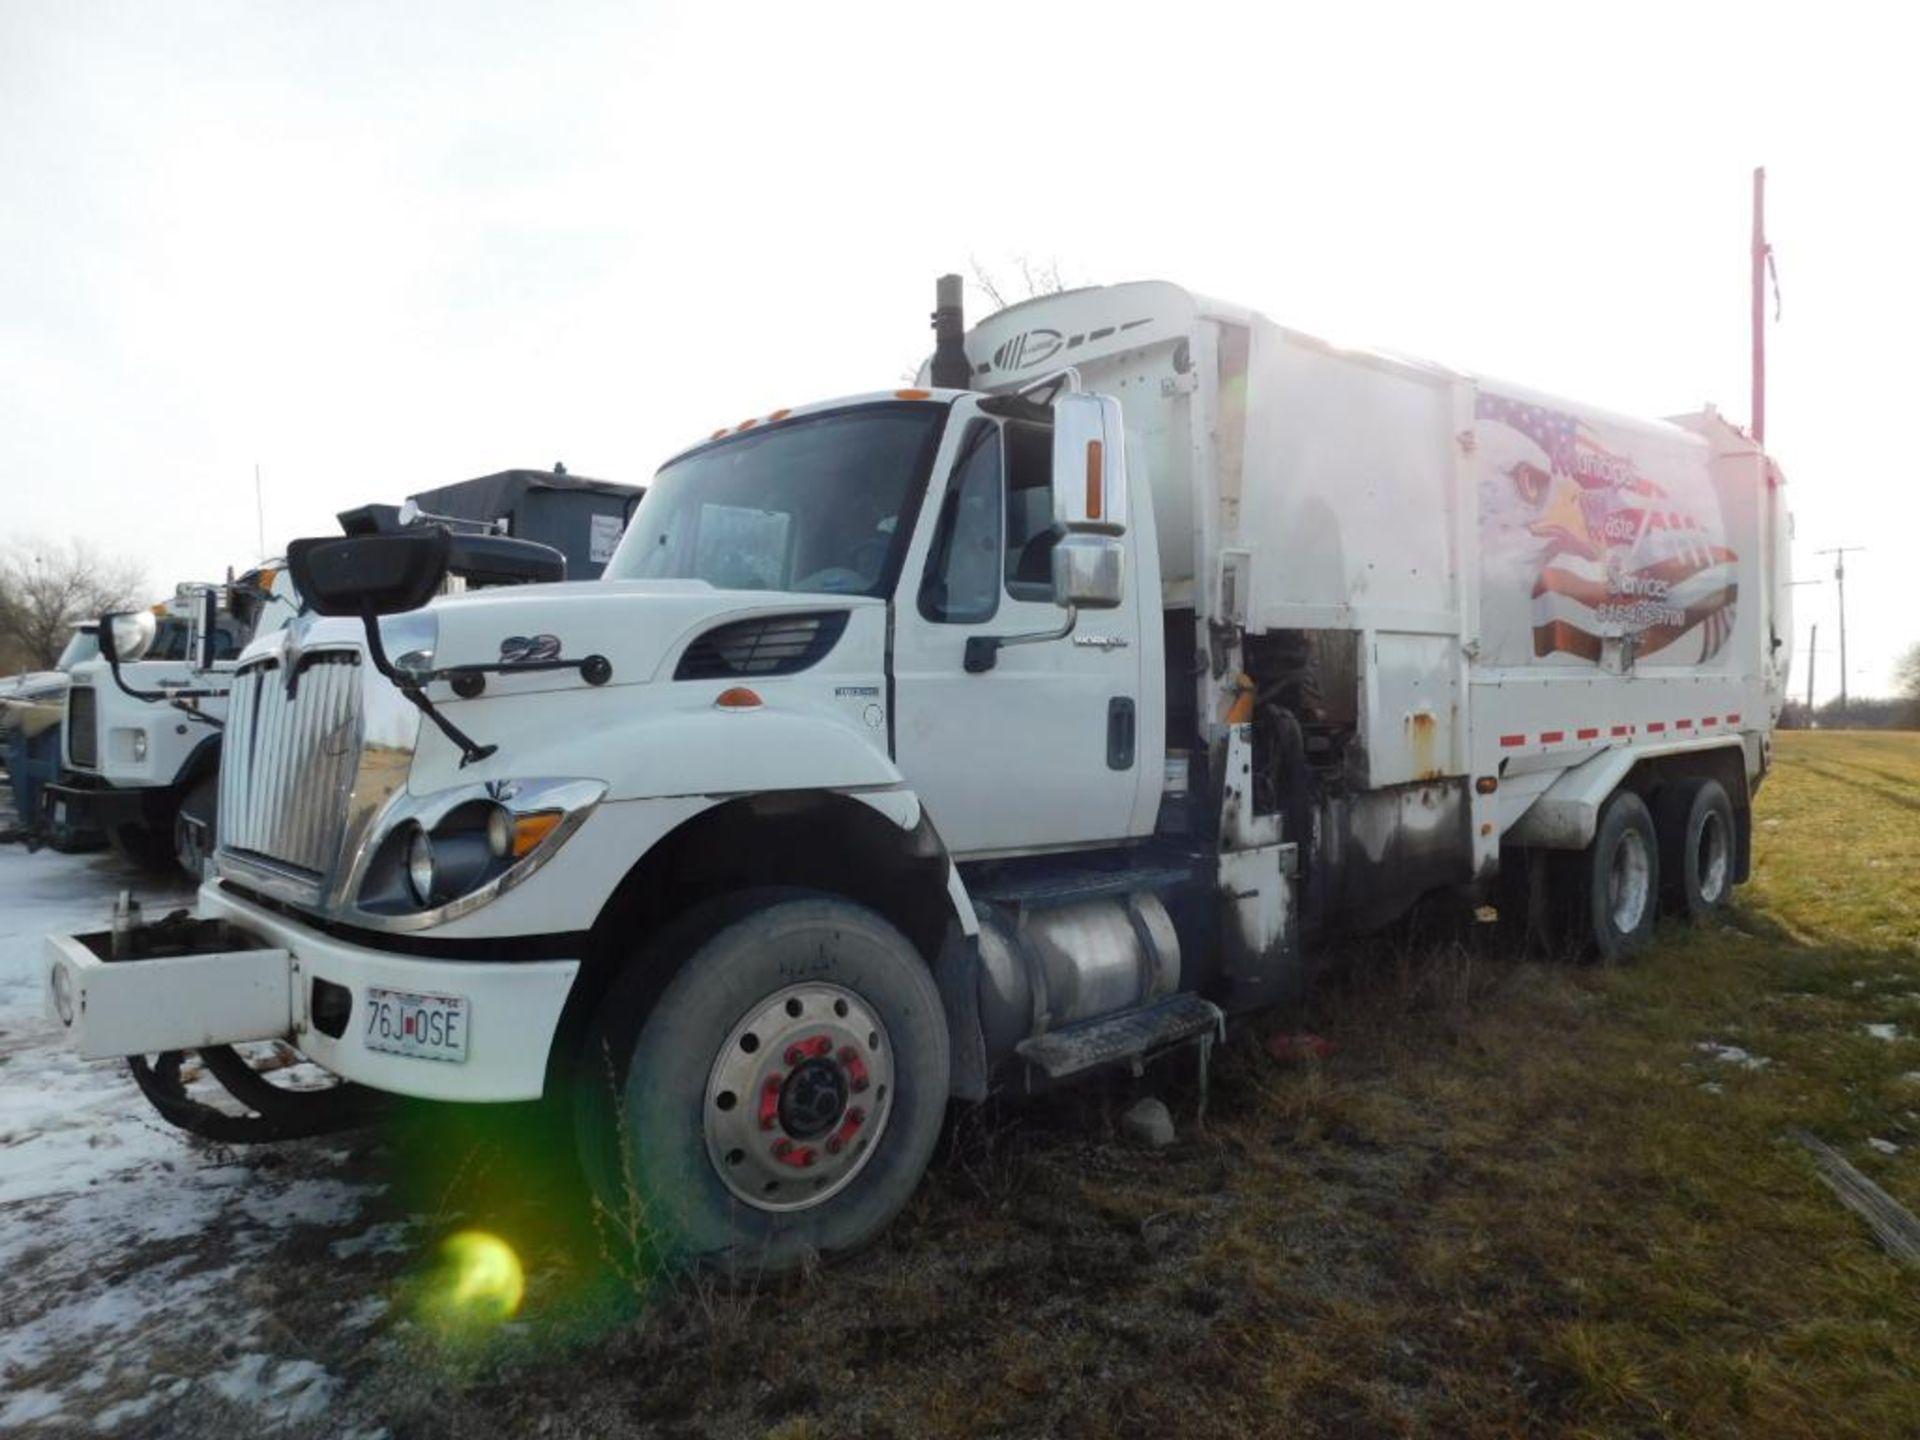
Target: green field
(1520, 1198)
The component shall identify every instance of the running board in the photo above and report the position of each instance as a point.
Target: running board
(1130, 1037)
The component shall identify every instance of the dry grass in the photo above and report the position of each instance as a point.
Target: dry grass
(1519, 1199)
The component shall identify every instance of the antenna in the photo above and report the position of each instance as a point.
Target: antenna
(1840, 553)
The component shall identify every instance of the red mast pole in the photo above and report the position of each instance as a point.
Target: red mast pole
(1760, 306)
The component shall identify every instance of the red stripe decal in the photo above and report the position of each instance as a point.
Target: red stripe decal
(1623, 730)
(1586, 734)
(1507, 742)
(1654, 727)
(1552, 737)
(1684, 724)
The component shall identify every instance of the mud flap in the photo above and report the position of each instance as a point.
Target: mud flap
(1260, 936)
(957, 973)
(1260, 930)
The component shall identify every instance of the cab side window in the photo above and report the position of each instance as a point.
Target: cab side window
(1030, 532)
(962, 581)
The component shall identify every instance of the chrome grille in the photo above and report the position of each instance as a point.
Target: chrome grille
(287, 764)
(83, 727)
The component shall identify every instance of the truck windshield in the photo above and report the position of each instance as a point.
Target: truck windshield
(822, 504)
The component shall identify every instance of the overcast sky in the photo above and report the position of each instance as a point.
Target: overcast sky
(375, 247)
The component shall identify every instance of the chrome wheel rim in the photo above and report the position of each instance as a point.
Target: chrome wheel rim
(798, 1097)
(1713, 859)
(1629, 882)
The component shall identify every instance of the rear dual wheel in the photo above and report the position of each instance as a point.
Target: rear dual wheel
(779, 1100)
(1611, 889)
(1698, 839)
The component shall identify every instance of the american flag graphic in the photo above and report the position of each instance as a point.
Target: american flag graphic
(1619, 554)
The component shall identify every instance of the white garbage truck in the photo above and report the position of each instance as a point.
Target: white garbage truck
(1033, 719)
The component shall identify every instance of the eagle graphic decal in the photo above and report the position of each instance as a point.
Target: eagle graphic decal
(1622, 539)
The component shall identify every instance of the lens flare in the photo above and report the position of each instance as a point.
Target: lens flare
(485, 1281)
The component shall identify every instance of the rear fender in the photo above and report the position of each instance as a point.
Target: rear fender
(1567, 813)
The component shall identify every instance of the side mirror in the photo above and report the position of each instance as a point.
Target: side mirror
(202, 626)
(126, 635)
(1089, 465)
(370, 574)
(1089, 571)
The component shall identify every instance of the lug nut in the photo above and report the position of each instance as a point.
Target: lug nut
(856, 1116)
(795, 1055)
(835, 1145)
(782, 1148)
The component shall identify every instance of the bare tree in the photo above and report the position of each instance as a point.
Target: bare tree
(1037, 277)
(46, 588)
(1906, 681)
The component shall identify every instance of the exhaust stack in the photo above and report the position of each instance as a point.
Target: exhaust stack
(951, 369)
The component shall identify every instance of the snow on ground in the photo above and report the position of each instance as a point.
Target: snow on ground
(137, 1265)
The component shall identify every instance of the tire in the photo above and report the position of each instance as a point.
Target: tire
(195, 832)
(1698, 846)
(1613, 886)
(735, 1134)
(142, 845)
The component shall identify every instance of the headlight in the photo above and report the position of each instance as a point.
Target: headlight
(420, 866)
(442, 855)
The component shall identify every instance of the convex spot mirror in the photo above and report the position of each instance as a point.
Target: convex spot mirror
(1089, 571)
(126, 635)
(369, 574)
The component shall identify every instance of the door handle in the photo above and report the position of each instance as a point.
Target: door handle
(1120, 730)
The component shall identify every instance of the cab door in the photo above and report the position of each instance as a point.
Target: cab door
(1042, 749)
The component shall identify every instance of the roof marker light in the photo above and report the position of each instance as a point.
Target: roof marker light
(913, 394)
(738, 697)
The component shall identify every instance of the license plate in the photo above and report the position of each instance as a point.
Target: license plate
(430, 1027)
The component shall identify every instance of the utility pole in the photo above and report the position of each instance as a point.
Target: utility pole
(1760, 259)
(1813, 639)
(1813, 636)
(1840, 553)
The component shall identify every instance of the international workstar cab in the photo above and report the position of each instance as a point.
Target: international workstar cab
(980, 733)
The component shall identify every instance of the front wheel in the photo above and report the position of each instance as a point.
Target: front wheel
(781, 1098)
(194, 829)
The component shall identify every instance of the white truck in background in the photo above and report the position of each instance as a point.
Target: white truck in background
(141, 735)
(142, 740)
(1032, 719)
